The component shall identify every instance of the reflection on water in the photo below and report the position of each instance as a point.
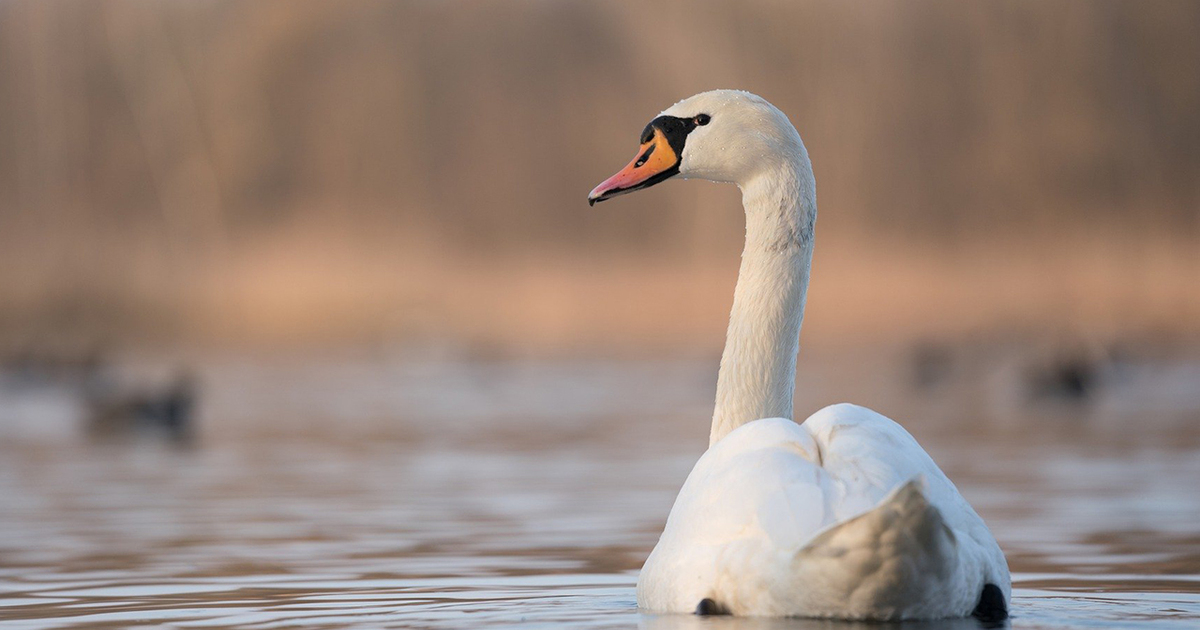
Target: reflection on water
(366, 496)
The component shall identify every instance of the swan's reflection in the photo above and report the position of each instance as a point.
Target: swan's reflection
(696, 622)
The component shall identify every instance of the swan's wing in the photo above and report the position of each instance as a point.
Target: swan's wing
(752, 500)
(872, 461)
(867, 456)
(762, 477)
(884, 564)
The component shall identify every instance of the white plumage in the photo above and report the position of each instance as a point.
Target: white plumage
(844, 516)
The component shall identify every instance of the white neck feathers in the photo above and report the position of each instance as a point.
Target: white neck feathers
(758, 367)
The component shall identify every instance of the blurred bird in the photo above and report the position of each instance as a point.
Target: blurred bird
(116, 412)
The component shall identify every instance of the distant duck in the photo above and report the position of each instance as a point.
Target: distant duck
(114, 411)
(1073, 371)
(844, 516)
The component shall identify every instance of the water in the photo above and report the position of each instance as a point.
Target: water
(373, 494)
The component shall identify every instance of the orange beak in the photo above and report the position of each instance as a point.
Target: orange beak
(655, 162)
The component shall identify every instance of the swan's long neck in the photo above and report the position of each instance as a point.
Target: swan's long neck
(758, 366)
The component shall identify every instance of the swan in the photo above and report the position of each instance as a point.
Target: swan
(844, 516)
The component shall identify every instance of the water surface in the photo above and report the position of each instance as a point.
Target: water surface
(368, 494)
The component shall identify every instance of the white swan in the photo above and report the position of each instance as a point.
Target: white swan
(844, 516)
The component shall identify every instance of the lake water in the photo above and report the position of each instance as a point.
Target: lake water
(383, 494)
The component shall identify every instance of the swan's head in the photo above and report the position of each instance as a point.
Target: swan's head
(722, 136)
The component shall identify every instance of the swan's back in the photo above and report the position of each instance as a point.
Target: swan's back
(843, 516)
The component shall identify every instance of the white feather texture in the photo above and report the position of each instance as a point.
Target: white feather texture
(844, 516)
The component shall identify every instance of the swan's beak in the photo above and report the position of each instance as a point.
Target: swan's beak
(655, 161)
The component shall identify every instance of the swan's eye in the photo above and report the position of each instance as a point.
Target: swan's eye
(703, 119)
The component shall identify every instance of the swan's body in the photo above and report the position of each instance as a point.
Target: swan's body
(843, 516)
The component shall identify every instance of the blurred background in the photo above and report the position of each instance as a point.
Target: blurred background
(341, 253)
(412, 175)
